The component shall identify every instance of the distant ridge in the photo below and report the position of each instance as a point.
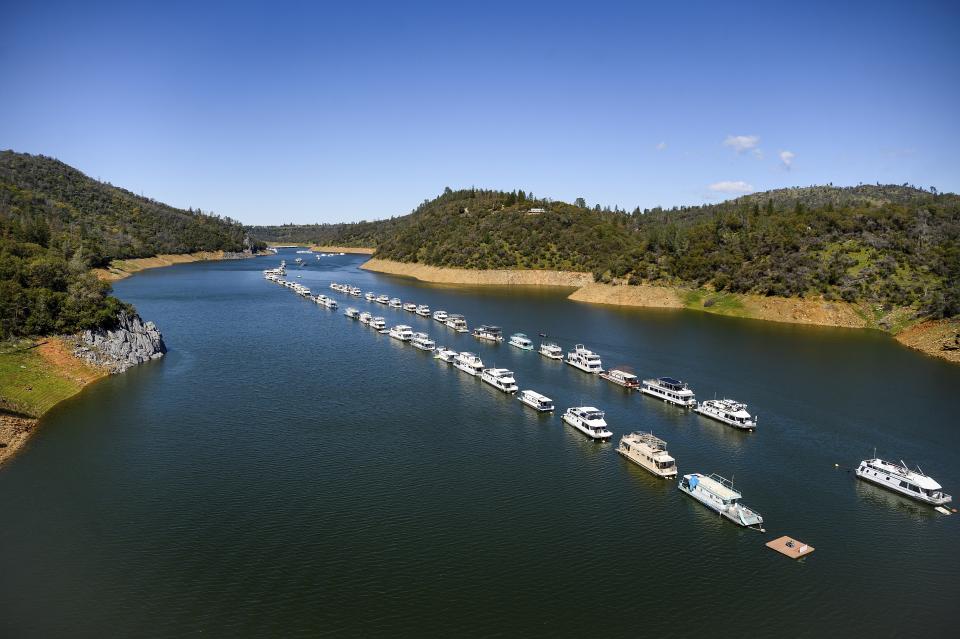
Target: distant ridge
(889, 246)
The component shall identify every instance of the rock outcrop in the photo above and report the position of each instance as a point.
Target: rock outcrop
(132, 341)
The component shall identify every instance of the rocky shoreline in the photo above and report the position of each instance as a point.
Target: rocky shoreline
(937, 338)
(81, 359)
(132, 341)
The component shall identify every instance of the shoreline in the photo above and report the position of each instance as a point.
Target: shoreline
(357, 250)
(487, 277)
(122, 269)
(37, 378)
(936, 338)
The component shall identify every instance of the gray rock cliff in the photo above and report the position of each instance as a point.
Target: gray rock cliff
(132, 341)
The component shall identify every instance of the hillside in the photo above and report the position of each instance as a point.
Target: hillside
(886, 245)
(56, 223)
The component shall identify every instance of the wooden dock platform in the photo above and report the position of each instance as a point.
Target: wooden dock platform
(790, 547)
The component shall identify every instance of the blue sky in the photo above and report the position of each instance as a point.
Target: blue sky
(299, 112)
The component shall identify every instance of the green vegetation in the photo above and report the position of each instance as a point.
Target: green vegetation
(887, 246)
(30, 384)
(56, 223)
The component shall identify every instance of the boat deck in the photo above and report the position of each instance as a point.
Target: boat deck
(794, 550)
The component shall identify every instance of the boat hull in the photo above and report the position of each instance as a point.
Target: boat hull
(706, 412)
(690, 403)
(639, 461)
(605, 435)
(895, 488)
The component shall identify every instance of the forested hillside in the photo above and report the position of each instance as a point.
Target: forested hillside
(56, 223)
(894, 246)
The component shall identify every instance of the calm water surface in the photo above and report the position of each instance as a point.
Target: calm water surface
(287, 471)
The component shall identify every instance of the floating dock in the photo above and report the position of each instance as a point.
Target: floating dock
(790, 547)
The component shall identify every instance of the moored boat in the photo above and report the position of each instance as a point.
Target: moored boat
(900, 479)
(423, 310)
(378, 323)
(457, 323)
(500, 378)
(669, 390)
(589, 421)
(352, 313)
(383, 299)
(365, 317)
(586, 360)
(371, 297)
(488, 333)
(395, 303)
(536, 401)
(551, 350)
(423, 342)
(468, 363)
(718, 494)
(727, 411)
(521, 341)
(622, 378)
(648, 452)
(445, 354)
(401, 332)
(440, 316)
(410, 307)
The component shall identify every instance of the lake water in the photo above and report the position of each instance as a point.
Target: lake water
(287, 471)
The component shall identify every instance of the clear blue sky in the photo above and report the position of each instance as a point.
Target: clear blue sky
(275, 112)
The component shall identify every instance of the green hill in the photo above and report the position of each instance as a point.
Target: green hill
(888, 245)
(56, 223)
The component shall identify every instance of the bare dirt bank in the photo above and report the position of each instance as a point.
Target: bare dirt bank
(120, 269)
(501, 277)
(940, 338)
(35, 378)
(646, 296)
(343, 249)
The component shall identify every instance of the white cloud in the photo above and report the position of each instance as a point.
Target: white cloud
(741, 143)
(728, 186)
(662, 146)
(786, 159)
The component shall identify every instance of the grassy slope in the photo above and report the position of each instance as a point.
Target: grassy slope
(36, 376)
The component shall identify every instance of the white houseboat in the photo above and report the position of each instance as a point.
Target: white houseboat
(401, 332)
(588, 420)
(445, 354)
(395, 303)
(468, 363)
(488, 333)
(410, 307)
(499, 378)
(352, 313)
(457, 323)
(521, 341)
(669, 390)
(383, 299)
(622, 378)
(649, 452)
(423, 342)
(536, 401)
(900, 479)
(378, 323)
(718, 494)
(440, 316)
(423, 310)
(548, 349)
(365, 317)
(727, 411)
(584, 359)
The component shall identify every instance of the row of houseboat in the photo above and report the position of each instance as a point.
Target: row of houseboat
(641, 448)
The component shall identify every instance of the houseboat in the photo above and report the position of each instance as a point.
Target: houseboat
(669, 390)
(648, 452)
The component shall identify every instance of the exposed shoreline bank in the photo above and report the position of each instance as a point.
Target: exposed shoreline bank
(37, 378)
(342, 249)
(932, 338)
(121, 269)
(37, 375)
(490, 277)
